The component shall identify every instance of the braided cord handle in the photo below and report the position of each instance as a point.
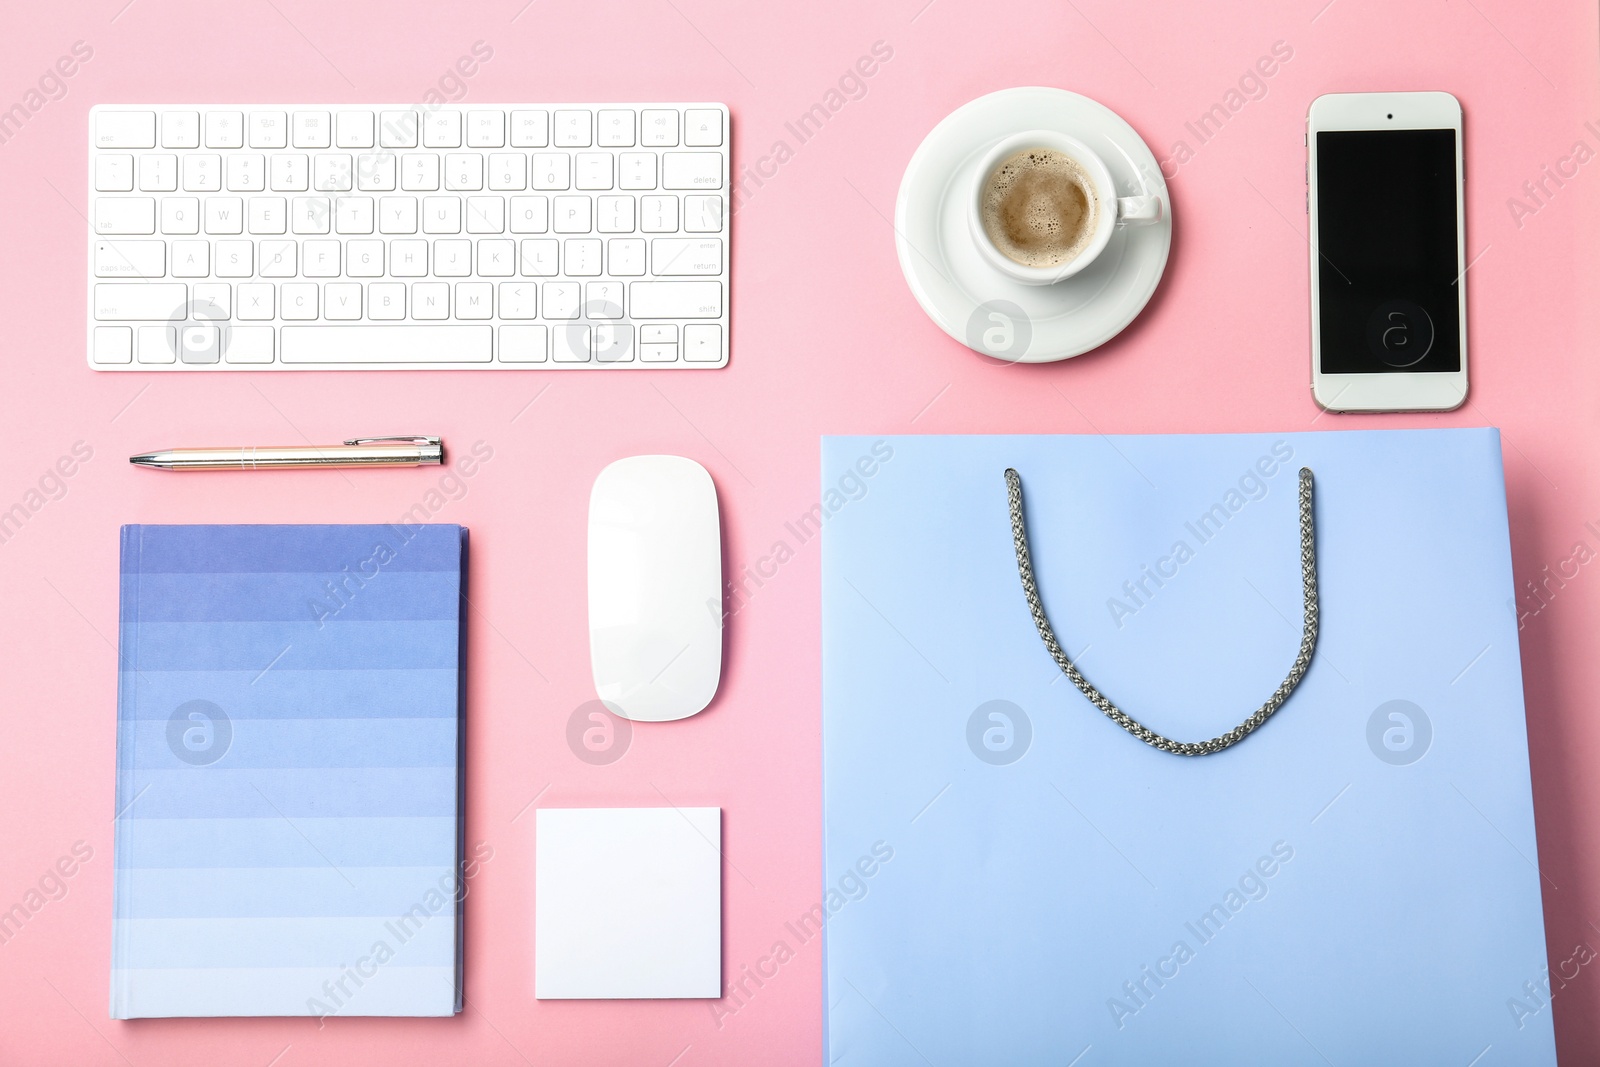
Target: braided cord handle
(1297, 671)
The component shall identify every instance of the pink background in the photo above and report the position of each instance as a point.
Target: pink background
(826, 339)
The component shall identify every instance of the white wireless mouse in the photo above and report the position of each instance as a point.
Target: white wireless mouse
(655, 587)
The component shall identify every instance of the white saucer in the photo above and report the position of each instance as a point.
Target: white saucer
(983, 309)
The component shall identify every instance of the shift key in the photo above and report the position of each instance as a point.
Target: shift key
(141, 301)
(675, 300)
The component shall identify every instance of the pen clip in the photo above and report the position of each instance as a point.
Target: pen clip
(414, 439)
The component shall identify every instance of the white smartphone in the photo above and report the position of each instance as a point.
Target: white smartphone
(1388, 252)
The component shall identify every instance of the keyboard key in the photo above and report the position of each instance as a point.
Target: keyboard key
(341, 299)
(408, 259)
(410, 343)
(430, 300)
(224, 129)
(320, 259)
(551, 170)
(616, 128)
(125, 214)
(398, 129)
(658, 214)
(582, 257)
(675, 300)
(530, 129)
(179, 129)
(569, 342)
(375, 171)
(573, 129)
(518, 300)
(330, 172)
(158, 172)
(277, 259)
(537, 257)
(441, 129)
(691, 170)
(353, 129)
(224, 214)
(352, 214)
(269, 129)
(199, 344)
(560, 300)
(212, 301)
(113, 344)
(508, 171)
(497, 258)
(385, 300)
(397, 214)
(158, 344)
(612, 342)
(486, 129)
(615, 214)
(257, 300)
(441, 214)
(658, 353)
(113, 173)
(685, 256)
(191, 259)
(235, 259)
(246, 172)
(289, 172)
(636, 170)
(702, 214)
(572, 214)
(297, 300)
(268, 214)
(419, 171)
(625, 256)
(702, 343)
(474, 300)
(247, 344)
(530, 214)
(311, 214)
(202, 173)
(125, 129)
(523, 344)
(311, 129)
(364, 259)
(463, 171)
(660, 129)
(702, 128)
(452, 258)
(602, 300)
(486, 214)
(594, 170)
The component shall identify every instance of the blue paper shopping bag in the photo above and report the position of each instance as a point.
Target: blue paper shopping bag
(1015, 878)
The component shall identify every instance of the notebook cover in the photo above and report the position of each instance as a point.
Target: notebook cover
(289, 745)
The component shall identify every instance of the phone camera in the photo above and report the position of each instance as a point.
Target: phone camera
(1391, 116)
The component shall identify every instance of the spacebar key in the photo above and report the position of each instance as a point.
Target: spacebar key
(409, 343)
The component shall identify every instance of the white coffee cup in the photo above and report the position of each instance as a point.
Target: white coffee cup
(1111, 210)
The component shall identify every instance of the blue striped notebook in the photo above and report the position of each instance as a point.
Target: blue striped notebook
(289, 744)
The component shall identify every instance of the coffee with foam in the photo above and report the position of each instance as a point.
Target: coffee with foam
(1039, 208)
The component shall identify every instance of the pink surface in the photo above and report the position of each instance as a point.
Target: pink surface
(827, 339)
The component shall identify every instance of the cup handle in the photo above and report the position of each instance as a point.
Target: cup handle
(1139, 210)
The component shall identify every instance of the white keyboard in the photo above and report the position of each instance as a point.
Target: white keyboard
(303, 237)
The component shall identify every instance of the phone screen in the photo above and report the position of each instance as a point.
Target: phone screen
(1386, 231)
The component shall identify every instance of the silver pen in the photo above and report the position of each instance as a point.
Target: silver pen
(413, 451)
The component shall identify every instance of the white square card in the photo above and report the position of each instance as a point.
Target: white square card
(628, 903)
